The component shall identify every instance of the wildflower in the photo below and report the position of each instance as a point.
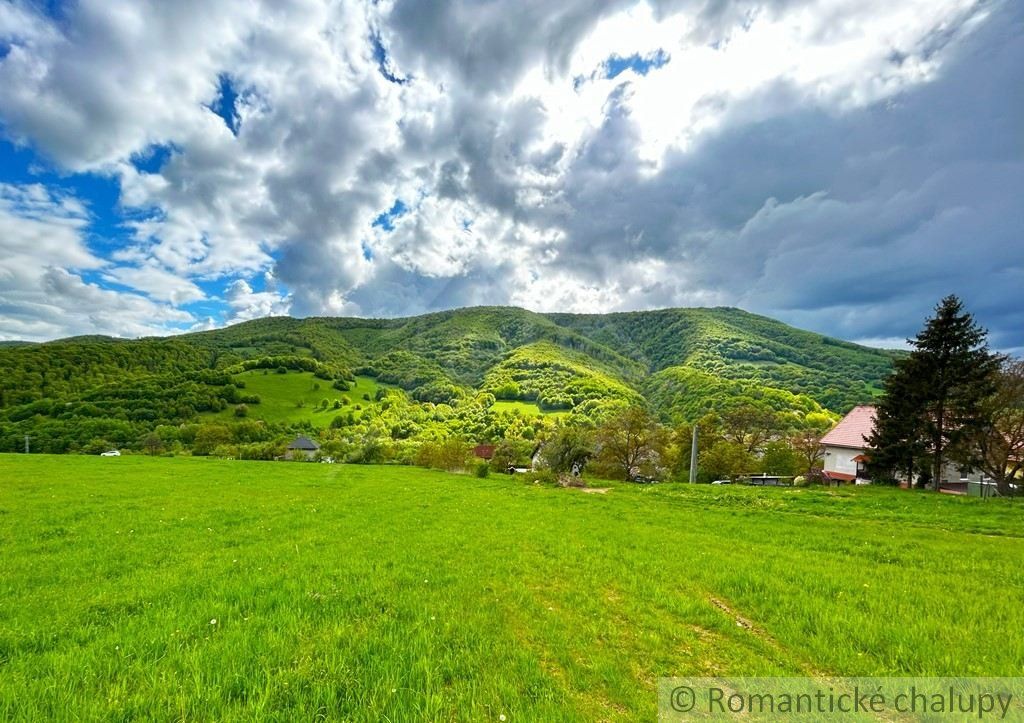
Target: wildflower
(213, 622)
(501, 717)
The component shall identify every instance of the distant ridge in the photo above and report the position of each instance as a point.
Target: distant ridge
(682, 363)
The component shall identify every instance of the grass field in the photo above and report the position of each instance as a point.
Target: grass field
(280, 395)
(527, 409)
(205, 589)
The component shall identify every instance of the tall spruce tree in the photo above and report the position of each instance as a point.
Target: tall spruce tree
(897, 439)
(933, 400)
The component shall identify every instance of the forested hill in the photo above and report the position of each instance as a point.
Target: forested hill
(682, 363)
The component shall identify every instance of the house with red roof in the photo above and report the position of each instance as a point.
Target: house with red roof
(847, 454)
(845, 448)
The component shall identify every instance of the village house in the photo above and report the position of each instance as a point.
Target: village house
(845, 448)
(302, 448)
(846, 456)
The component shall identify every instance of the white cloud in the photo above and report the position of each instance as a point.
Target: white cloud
(42, 295)
(121, 76)
(156, 282)
(778, 136)
(248, 304)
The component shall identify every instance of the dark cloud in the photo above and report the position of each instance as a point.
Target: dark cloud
(814, 215)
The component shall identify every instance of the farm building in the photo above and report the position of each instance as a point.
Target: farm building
(302, 448)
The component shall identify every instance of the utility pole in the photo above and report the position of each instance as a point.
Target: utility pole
(693, 456)
(27, 438)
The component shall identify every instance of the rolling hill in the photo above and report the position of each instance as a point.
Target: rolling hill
(482, 371)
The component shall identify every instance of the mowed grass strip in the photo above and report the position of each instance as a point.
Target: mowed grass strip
(203, 589)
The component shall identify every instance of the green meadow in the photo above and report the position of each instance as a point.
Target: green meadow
(297, 396)
(527, 409)
(202, 589)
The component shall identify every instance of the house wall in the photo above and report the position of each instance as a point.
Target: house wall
(840, 459)
(954, 474)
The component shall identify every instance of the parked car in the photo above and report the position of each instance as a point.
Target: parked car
(722, 482)
(111, 453)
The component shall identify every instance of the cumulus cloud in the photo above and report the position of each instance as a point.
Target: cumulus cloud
(42, 256)
(248, 304)
(157, 282)
(840, 164)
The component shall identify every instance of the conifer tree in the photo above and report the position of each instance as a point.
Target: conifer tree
(933, 401)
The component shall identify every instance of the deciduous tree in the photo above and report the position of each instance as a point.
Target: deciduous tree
(567, 446)
(999, 442)
(631, 443)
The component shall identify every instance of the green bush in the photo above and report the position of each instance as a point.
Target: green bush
(542, 476)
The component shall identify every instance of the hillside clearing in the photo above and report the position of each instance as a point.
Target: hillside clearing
(209, 589)
(297, 397)
(527, 409)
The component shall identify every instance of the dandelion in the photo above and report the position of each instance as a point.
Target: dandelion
(213, 621)
(501, 717)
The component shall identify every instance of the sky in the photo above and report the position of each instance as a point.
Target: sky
(840, 165)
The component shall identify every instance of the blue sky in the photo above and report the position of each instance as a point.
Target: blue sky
(839, 165)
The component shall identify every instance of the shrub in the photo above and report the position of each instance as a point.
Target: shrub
(241, 411)
(543, 476)
(450, 455)
(482, 469)
(814, 477)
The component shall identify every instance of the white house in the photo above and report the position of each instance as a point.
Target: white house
(847, 453)
(845, 448)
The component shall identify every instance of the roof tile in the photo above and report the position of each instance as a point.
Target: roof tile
(852, 429)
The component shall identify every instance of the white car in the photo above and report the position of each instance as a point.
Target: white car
(111, 453)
